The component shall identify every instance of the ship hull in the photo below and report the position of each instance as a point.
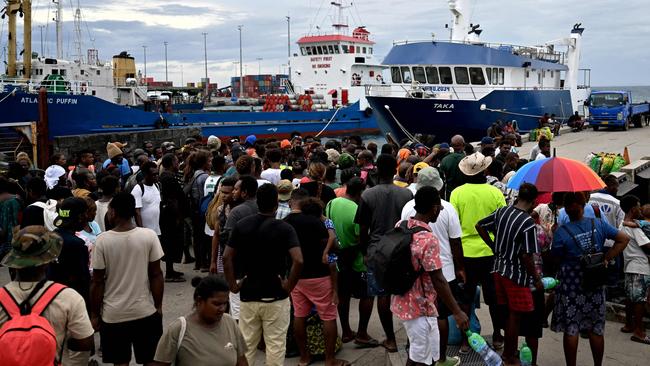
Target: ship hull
(445, 118)
(70, 115)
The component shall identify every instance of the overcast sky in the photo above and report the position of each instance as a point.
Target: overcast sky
(616, 39)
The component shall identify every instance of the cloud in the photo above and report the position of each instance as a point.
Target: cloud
(615, 44)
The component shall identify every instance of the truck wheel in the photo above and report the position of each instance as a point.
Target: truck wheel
(595, 128)
(626, 125)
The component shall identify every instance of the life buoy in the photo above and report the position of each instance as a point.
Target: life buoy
(379, 78)
(84, 87)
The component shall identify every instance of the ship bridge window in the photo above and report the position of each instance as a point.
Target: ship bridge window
(476, 76)
(396, 75)
(98, 72)
(370, 50)
(495, 75)
(55, 71)
(406, 74)
(418, 74)
(336, 49)
(462, 77)
(331, 49)
(432, 75)
(344, 48)
(319, 49)
(365, 50)
(358, 49)
(501, 75)
(445, 75)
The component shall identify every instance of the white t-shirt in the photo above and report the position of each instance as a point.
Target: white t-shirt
(209, 187)
(413, 188)
(126, 256)
(261, 182)
(149, 205)
(636, 261)
(272, 175)
(446, 226)
(610, 210)
(67, 314)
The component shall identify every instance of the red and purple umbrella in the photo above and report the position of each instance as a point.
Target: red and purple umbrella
(557, 175)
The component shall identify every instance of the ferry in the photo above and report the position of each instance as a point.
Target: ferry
(87, 96)
(463, 85)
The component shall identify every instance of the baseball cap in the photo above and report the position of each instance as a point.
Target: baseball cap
(33, 246)
(487, 141)
(285, 144)
(285, 187)
(250, 140)
(419, 166)
(69, 211)
(429, 177)
(333, 156)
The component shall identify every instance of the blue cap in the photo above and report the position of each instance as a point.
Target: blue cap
(250, 140)
(487, 140)
(444, 145)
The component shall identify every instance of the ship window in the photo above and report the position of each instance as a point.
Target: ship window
(308, 49)
(55, 71)
(445, 75)
(82, 72)
(370, 49)
(539, 77)
(98, 72)
(418, 75)
(476, 76)
(501, 75)
(552, 74)
(62, 72)
(406, 74)
(396, 75)
(358, 49)
(313, 50)
(432, 75)
(94, 92)
(365, 50)
(462, 77)
(331, 49)
(345, 48)
(319, 49)
(325, 51)
(336, 49)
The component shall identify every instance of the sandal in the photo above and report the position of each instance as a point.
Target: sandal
(369, 343)
(636, 339)
(626, 330)
(388, 349)
(350, 338)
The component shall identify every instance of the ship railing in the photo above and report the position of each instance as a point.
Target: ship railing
(542, 53)
(55, 86)
(473, 92)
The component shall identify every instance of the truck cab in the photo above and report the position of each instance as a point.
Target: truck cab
(615, 109)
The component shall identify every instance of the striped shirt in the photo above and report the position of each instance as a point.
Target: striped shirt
(514, 234)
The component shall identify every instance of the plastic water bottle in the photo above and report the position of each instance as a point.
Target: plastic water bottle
(525, 355)
(479, 345)
(550, 283)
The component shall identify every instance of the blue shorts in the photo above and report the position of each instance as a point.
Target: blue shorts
(373, 287)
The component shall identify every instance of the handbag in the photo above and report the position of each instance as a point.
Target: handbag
(594, 272)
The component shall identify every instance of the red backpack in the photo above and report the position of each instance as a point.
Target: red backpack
(28, 335)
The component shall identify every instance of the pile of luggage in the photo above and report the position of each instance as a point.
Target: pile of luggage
(605, 163)
(536, 134)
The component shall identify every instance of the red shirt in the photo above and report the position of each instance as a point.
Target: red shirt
(425, 252)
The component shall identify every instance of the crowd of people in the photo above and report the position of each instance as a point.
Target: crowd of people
(282, 230)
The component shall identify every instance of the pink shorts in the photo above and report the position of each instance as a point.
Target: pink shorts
(312, 292)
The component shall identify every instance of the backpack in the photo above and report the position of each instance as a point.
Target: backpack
(29, 336)
(205, 203)
(188, 188)
(390, 259)
(49, 212)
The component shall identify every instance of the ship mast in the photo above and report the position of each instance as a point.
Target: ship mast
(462, 12)
(340, 25)
(77, 32)
(59, 28)
(13, 6)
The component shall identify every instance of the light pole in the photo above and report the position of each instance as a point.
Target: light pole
(241, 65)
(144, 48)
(259, 65)
(289, 45)
(205, 51)
(166, 74)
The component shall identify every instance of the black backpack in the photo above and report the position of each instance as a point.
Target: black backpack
(390, 260)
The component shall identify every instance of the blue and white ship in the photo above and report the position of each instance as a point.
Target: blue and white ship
(462, 86)
(87, 96)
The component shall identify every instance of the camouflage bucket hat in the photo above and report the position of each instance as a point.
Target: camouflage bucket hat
(33, 246)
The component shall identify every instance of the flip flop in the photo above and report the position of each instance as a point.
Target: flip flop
(636, 339)
(625, 330)
(350, 338)
(464, 351)
(389, 349)
(370, 343)
(497, 345)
